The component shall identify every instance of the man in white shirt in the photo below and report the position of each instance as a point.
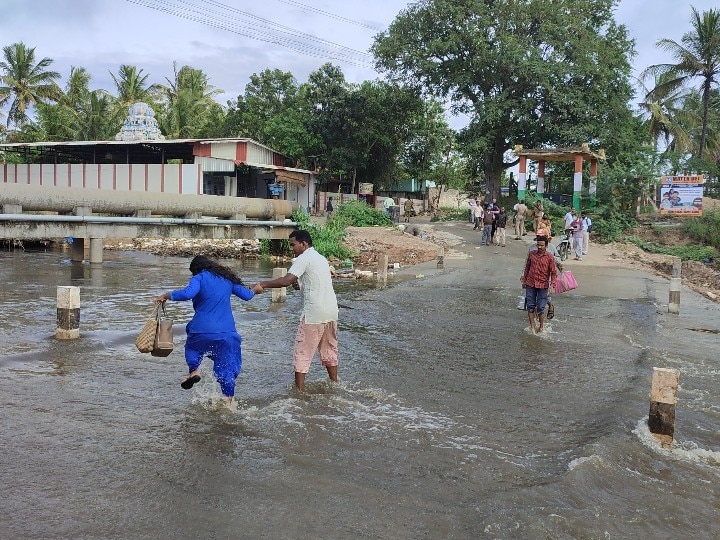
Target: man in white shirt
(388, 204)
(587, 223)
(318, 322)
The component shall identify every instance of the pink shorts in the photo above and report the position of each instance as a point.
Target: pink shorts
(309, 338)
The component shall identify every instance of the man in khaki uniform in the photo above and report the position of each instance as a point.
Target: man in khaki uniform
(520, 213)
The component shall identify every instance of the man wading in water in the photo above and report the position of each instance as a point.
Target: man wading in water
(318, 323)
(539, 276)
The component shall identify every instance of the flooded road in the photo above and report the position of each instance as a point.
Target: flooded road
(451, 420)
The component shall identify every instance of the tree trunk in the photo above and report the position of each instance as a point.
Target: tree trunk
(494, 166)
(705, 106)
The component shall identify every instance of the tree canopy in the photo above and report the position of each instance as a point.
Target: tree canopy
(527, 72)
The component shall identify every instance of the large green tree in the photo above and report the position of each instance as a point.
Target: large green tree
(24, 82)
(528, 72)
(697, 56)
(271, 112)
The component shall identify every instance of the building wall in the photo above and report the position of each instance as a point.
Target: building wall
(150, 178)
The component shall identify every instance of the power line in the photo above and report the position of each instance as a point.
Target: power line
(330, 15)
(262, 30)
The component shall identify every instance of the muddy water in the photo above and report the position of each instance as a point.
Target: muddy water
(451, 420)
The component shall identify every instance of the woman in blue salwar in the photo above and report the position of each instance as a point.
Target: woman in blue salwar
(211, 332)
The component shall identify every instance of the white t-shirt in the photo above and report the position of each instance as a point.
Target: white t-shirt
(388, 202)
(319, 300)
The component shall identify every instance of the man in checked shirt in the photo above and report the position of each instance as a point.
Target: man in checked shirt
(539, 276)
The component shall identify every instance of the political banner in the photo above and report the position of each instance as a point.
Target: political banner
(681, 195)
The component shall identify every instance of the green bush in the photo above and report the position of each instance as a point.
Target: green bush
(358, 214)
(327, 238)
(704, 229)
(686, 253)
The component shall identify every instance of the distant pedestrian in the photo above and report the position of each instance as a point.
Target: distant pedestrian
(389, 203)
(473, 202)
(538, 213)
(577, 235)
(329, 207)
(487, 220)
(501, 223)
(587, 224)
(520, 212)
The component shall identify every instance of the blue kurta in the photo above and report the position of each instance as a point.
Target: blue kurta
(211, 331)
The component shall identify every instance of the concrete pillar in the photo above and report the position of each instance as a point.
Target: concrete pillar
(382, 267)
(77, 250)
(441, 257)
(593, 182)
(96, 250)
(541, 179)
(577, 181)
(12, 209)
(280, 294)
(68, 313)
(522, 178)
(663, 397)
(675, 285)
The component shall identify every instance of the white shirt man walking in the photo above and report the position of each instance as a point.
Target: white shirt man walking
(318, 322)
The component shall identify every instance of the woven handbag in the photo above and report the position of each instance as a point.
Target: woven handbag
(146, 339)
(163, 344)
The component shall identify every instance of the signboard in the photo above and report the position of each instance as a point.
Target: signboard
(365, 189)
(681, 195)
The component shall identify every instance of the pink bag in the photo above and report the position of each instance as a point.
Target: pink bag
(565, 282)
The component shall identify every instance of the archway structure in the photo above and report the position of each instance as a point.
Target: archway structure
(578, 155)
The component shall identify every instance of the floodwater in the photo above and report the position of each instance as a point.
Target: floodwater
(450, 421)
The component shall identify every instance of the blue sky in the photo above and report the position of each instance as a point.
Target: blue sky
(99, 35)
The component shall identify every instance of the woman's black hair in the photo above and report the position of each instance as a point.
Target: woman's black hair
(201, 262)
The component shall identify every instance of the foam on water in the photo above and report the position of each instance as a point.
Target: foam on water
(688, 451)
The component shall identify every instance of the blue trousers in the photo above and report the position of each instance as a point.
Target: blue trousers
(224, 349)
(536, 299)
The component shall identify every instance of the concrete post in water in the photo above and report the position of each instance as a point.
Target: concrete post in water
(77, 249)
(96, 250)
(663, 397)
(441, 257)
(279, 295)
(382, 267)
(675, 284)
(68, 313)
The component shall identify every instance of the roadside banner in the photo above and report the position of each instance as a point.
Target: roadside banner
(681, 195)
(365, 188)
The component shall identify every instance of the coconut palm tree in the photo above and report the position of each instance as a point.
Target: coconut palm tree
(25, 83)
(132, 87)
(666, 117)
(698, 55)
(190, 99)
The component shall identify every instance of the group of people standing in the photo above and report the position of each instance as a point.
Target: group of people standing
(491, 219)
(212, 333)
